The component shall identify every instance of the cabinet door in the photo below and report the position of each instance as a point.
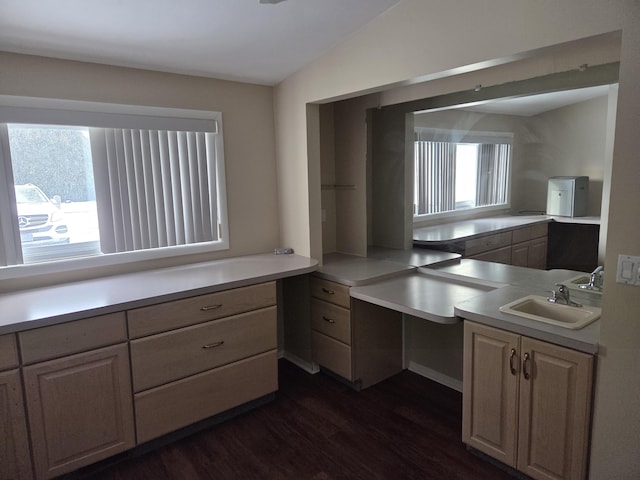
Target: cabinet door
(537, 257)
(14, 449)
(555, 401)
(490, 391)
(520, 254)
(80, 409)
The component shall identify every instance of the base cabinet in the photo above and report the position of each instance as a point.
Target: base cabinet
(80, 409)
(356, 340)
(15, 463)
(526, 403)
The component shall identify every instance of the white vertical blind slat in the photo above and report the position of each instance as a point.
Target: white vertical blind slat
(160, 188)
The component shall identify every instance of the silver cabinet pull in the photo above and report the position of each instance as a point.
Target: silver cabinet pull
(206, 308)
(213, 345)
(327, 291)
(511, 366)
(525, 362)
(330, 320)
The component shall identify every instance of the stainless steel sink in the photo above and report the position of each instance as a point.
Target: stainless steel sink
(538, 308)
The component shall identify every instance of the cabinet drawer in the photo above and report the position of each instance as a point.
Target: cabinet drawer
(332, 354)
(169, 356)
(527, 233)
(178, 404)
(489, 242)
(331, 320)
(8, 352)
(181, 313)
(500, 255)
(72, 337)
(330, 291)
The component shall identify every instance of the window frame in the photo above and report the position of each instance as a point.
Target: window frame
(464, 137)
(14, 109)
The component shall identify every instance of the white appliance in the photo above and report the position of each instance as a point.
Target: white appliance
(567, 196)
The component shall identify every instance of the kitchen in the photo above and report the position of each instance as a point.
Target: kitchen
(304, 238)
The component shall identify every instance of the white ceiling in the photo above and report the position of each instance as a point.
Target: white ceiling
(240, 40)
(537, 104)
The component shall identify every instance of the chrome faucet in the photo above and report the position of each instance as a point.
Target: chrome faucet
(562, 296)
(595, 280)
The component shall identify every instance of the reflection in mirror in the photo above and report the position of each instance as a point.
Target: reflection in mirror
(513, 146)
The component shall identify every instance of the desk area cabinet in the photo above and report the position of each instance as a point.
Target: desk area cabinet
(356, 340)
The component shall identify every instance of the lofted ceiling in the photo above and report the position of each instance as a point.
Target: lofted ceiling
(257, 41)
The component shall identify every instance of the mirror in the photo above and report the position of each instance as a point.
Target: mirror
(552, 134)
(561, 125)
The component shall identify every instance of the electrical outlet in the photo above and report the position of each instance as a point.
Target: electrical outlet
(628, 270)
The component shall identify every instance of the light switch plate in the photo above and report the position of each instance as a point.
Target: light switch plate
(628, 270)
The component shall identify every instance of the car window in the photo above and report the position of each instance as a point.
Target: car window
(29, 195)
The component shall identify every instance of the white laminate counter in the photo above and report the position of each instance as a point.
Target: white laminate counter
(473, 228)
(380, 264)
(422, 294)
(450, 290)
(37, 307)
(485, 310)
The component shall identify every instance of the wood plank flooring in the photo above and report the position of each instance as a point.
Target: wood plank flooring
(406, 427)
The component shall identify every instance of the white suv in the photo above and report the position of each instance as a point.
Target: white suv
(41, 222)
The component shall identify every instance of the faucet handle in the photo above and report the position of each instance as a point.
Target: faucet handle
(562, 288)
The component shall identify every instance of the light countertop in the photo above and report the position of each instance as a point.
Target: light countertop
(468, 229)
(380, 264)
(33, 308)
(422, 294)
(485, 310)
(451, 289)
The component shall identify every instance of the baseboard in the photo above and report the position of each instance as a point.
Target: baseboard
(309, 367)
(436, 376)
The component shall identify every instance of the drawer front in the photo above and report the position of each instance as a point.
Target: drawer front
(190, 311)
(520, 235)
(489, 242)
(332, 354)
(331, 320)
(330, 291)
(539, 230)
(501, 255)
(8, 352)
(175, 405)
(169, 356)
(72, 337)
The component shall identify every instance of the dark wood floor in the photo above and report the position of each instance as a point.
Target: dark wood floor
(317, 428)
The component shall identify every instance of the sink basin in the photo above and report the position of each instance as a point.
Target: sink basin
(535, 307)
(575, 282)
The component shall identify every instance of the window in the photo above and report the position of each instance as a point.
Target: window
(141, 183)
(470, 173)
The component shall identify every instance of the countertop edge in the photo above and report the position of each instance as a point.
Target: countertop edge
(238, 270)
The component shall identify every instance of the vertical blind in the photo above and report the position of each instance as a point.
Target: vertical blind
(435, 176)
(493, 170)
(154, 188)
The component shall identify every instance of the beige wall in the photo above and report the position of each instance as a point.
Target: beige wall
(564, 142)
(616, 433)
(418, 41)
(247, 113)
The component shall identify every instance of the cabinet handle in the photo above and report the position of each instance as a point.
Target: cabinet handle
(511, 357)
(206, 308)
(213, 345)
(524, 366)
(327, 291)
(330, 320)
